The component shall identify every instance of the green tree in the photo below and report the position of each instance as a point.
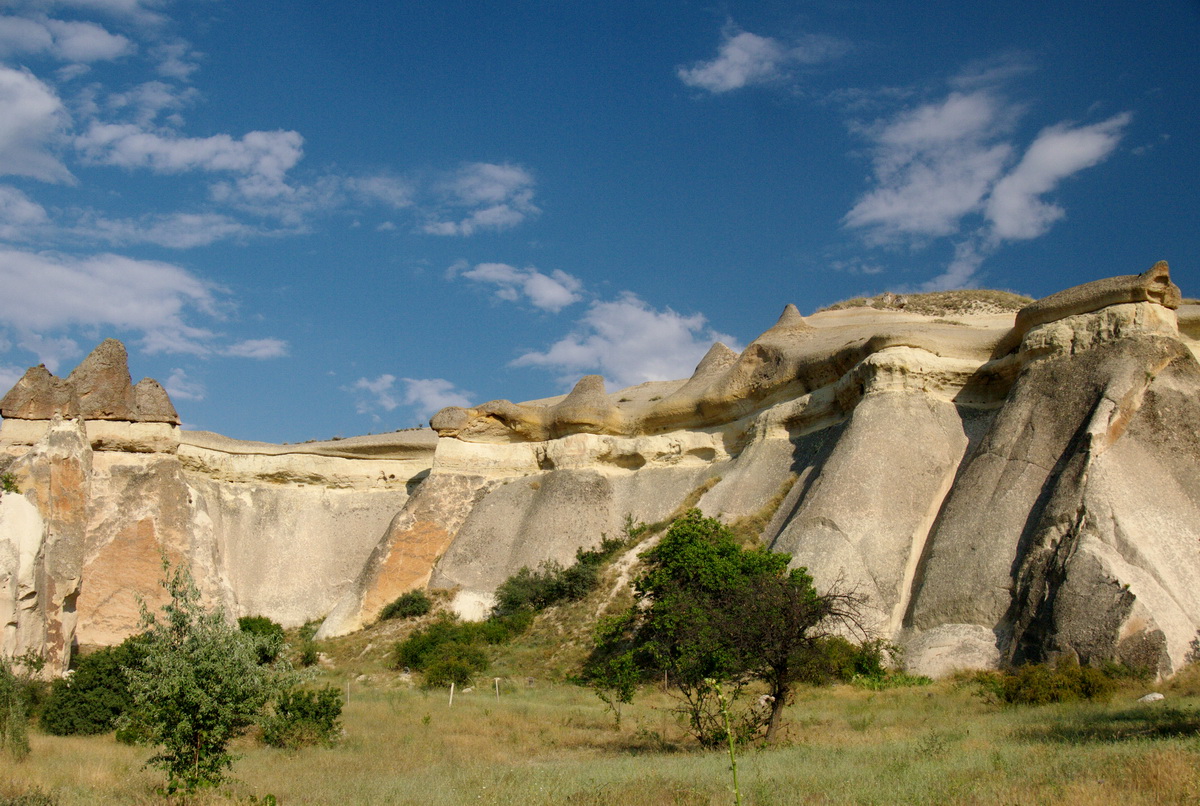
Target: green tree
(199, 685)
(708, 611)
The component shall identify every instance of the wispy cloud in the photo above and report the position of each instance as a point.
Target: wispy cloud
(30, 125)
(257, 348)
(549, 292)
(483, 196)
(424, 396)
(48, 296)
(744, 59)
(1015, 208)
(172, 230)
(180, 387)
(70, 41)
(20, 216)
(261, 159)
(933, 165)
(629, 342)
(953, 168)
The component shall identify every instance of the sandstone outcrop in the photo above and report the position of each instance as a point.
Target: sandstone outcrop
(110, 486)
(1002, 486)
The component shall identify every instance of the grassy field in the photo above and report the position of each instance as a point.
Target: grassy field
(546, 743)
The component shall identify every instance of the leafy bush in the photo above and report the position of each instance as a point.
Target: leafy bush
(1040, 684)
(408, 605)
(552, 584)
(268, 637)
(96, 694)
(454, 663)
(14, 727)
(8, 483)
(300, 717)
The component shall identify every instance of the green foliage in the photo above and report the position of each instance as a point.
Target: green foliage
(409, 605)
(199, 685)
(709, 614)
(267, 636)
(449, 651)
(14, 713)
(96, 694)
(1066, 681)
(8, 483)
(552, 584)
(300, 717)
(454, 663)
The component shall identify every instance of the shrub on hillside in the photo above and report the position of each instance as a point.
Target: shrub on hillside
(301, 717)
(96, 694)
(454, 663)
(1040, 683)
(268, 637)
(553, 584)
(408, 605)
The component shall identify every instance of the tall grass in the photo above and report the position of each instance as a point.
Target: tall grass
(553, 744)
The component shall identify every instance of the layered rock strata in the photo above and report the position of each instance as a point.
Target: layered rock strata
(278, 530)
(1000, 486)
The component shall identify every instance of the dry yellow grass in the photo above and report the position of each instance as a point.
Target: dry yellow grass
(544, 744)
(940, 303)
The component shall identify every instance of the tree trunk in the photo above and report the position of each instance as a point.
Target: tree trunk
(780, 694)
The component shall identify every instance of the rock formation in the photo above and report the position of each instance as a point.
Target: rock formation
(110, 486)
(1003, 486)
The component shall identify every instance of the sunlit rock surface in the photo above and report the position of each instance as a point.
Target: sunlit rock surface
(1002, 485)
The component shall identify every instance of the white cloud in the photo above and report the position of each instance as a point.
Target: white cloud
(968, 257)
(20, 216)
(257, 348)
(32, 119)
(945, 169)
(176, 59)
(550, 292)
(425, 396)
(139, 11)
(932, 166)
(60, 39)
(50, 350)
(1014, 209)
(9, 375)
(628, 342)
(483, 196)
(382, 189)
(180, 387)
(172, 230)
(745, 59)
(48, 293)
(150, 99)
(262, 158)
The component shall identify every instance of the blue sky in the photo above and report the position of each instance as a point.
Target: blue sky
(317, 219)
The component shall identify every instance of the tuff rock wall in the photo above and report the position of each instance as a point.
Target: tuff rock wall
(1002, 487)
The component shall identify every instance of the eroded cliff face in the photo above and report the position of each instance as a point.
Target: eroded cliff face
(1002, 486)
(275, 530)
